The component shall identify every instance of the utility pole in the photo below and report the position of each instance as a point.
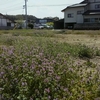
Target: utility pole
(26, 12)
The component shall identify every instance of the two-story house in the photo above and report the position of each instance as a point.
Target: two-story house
(85, 15)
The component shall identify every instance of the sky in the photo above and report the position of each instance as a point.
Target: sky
(37, 8)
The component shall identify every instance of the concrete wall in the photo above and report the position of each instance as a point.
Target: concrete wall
(5, 27)
(87, 26)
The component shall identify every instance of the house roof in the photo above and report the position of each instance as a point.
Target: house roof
(75, 5)
(7, 18)
(85, 1)
(92, 12)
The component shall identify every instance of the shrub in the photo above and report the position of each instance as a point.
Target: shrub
(30, 26)
(97, 52)
(86, 52)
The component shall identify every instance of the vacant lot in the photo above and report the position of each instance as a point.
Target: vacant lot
(49, 65)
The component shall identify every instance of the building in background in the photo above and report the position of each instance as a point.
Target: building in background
(43, 21)
(6, 23)
(84, 15)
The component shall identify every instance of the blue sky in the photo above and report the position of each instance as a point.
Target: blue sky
(38, 8)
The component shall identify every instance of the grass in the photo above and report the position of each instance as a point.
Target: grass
(38, 65)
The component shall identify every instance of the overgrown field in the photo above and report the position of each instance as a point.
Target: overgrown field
(49, 65)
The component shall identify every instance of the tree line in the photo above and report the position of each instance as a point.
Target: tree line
(29, 17)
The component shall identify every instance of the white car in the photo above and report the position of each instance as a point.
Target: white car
(41, 27)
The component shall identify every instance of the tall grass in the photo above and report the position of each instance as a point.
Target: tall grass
(37, 67)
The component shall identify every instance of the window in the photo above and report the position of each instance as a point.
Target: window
(8, 24)
(96, 19)
(91, 20)
(70, 15)
(97, 6)
(87, 20)
(80, 12)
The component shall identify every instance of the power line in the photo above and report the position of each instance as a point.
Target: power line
(49, 5)
(7, 3)
(11, 8)
(14, 10)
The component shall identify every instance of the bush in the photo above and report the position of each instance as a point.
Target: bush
(97, 52)
(30, 26)
(86, 52)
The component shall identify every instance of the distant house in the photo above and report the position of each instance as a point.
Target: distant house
(43, 21)
(6, 23)
(84, 15)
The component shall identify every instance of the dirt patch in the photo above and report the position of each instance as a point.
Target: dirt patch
(89, 40)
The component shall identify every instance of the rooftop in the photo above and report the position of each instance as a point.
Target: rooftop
(92, 12)
(75, 5)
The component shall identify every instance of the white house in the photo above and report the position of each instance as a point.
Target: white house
(6, 23)
(83, 15)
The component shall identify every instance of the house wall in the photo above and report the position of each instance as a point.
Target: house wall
(94, 0)
(92, 19)
(3, 22)
(86, 7)
(93, 16)
(97, 0)
(92, 6)
(80, 18)
(76, 18)
(91, 0)
(12, 24)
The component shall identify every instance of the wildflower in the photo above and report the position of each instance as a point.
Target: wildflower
(47, 90)
(41, 54)
(2, 73)
(58, 77)
(24, 83)
(38, 72)
(66, 89)
(31, 98)
(46, 80)
(49, 97)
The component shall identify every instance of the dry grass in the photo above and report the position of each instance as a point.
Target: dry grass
(89, 38)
